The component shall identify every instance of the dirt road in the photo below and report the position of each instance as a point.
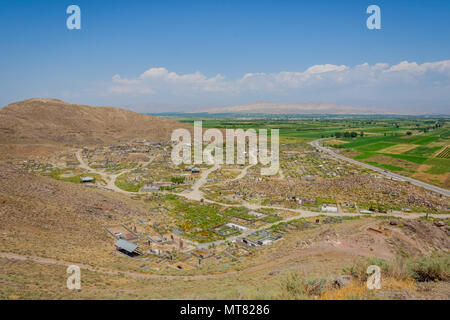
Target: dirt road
(110, 179)
(319, 248)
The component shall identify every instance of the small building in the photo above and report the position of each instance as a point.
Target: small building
(294, 199)
(261, 238)
(87, 179)
(195, 170)
(249, 242)
(329, 208)
(127, 247)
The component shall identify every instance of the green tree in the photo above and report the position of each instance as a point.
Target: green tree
(177, 180)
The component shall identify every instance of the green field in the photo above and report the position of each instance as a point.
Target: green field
(428, 148)
(315, 128)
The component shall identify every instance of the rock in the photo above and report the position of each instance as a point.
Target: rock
(342, 281)
(274, 272)
(393, 222)
(439, 223)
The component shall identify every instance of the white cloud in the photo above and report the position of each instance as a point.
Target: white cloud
(362, 82)
(413, 67)
(325, 68)
(160, 79)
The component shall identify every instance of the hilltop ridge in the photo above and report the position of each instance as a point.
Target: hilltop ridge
(53, 121)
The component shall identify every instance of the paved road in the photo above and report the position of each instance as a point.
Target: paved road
(445, 192)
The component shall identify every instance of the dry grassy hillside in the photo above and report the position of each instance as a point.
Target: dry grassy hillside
(52, 224)
(50, 121)
(42, 216)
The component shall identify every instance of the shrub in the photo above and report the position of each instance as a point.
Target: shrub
(398, 269)
(432, 268)
(383, 264)
(177, 180)
(293, 287)
(428, 268)
(357, 271)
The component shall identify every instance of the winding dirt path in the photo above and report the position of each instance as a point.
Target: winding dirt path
(49, 261)
(320, 247)
(110, 179)
(195, 193)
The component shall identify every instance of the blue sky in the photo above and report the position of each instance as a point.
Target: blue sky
(183, 55)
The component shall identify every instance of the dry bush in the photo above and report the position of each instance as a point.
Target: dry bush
(295, 287)
(356, 290)
(432, 268)
(427, 268)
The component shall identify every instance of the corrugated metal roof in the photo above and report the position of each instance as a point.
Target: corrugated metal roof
(126, 245)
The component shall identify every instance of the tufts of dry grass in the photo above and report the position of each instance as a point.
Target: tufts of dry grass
(294, 287)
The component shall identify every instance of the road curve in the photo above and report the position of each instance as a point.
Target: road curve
(445, 192)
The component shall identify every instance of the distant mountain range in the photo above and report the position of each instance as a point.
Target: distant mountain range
(263, 107)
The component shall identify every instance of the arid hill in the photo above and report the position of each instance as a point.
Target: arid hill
(66, 219)
(50, 121)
